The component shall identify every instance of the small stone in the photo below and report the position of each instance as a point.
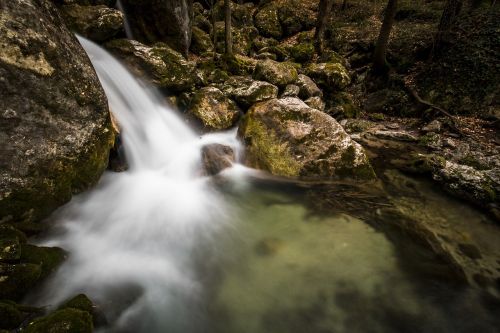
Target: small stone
(434, 126)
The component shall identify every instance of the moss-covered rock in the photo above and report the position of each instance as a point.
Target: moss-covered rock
(278, 73)
(288, 138)
(213, 110)
(98, 23)
(329, 76)
(247, 92)
(10, 316)
(56, 130)
(296, 16)
(67, 320)
(166, 67)
(79, 302)
(307, 87)
(201, 42)
(302, 52)
(16, 280)
(242, 38)
(316, 103)
(241, 14)
(267, 21)
(49, 258)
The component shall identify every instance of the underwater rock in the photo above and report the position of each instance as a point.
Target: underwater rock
(278, 73)
(217, 157)
(55, 125)
(268, 246)
(288, 138)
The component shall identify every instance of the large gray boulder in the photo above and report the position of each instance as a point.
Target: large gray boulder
(246, 91)
(168, 21)
(288, 138)
(55, 129)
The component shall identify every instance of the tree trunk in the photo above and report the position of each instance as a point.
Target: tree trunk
(229, 35)
(212, 22)
(379, 59)
(344, 5)
(450, 13)
(325, 8)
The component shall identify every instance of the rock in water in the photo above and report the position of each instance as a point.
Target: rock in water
(167, 21)
(288, 138)
(55, 127)
(217, 157)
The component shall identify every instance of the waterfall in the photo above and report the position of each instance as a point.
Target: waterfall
(134, 240)
(126, 24)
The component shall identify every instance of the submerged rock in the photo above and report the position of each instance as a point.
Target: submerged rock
(55, 125)
(166, 67)
(98, 23)
(217, 157)
(213, 110)
(288, 138)
(278, 73)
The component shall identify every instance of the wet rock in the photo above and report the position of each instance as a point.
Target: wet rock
(10, 316)
(16, 280)
(98, 23)
(307, 87)
(56, 130)
(117, 159)
(267, 21)
(291, 90)
(166, 67)
(213, 110)
(61, 321)
(201, 42)
(316, 103)
(168, 21)
(278, 73)
(49, 258)
(216, 158)
(246, 92)
(83, 303)
(288, 138)
(329, 76)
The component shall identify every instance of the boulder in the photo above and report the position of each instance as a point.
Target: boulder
(302, 52)
(217, 157)
(242, 38)
(296, 16)
(288, 138)
(49, 258)
(168, 21)
(55, 126)
(67, 320)
(98, 23)
(307, 87)
(291, 90)
(10, 316)
(267, 21)
(330, 76)
(278, 73)
(316, 103)
(165, 67)
(201, 42)
(210, 108)
(16, 280)
(246, 92)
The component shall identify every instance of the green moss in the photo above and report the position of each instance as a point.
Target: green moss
(348, 167)
(49, 258)
(470, 160)
(79, 302)
(302, 52)
(62, 321)
(266, 151)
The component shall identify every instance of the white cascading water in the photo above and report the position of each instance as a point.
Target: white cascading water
(133, 240)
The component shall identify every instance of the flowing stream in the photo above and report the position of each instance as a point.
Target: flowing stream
(161, 248)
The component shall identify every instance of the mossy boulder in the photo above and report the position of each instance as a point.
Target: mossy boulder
(288, 138)
(79, 302)
(98, 23)
(16, 280)
(267, 21)
(10, 316)
(241, 14)
(165, 67)
(67, 320)
(278, 73)
(302, 52)
(55, 125)
(49, 258)
(296, 16)
(247, 92)
(201, 42)
(211, 109)
(242, 38)
(330, 76)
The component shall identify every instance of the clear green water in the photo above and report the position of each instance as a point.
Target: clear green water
(283, 267)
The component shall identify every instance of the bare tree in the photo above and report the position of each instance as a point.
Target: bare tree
(451, 10)
(379, 58)
(228, 34)
(325, 8)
